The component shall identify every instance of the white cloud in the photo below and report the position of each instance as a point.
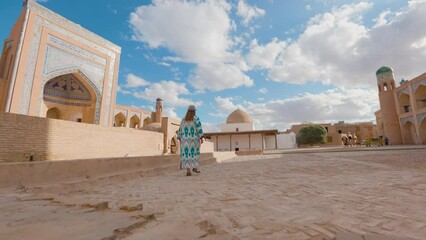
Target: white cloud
(197, 32)
(247, 12)
(219, 77)
(122, 91)
(351, 105)
(337, 48)
(263, 90)
(170, 112)
(134, 81)
(265, 56)
(210, 127)
(224, 106)
(169, 91)
(382, 18)
(308, 7)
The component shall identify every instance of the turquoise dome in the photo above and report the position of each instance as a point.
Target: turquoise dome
(384, 70)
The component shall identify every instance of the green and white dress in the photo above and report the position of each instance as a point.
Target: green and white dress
(190, 133)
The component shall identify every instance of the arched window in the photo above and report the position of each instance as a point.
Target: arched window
(53, 113)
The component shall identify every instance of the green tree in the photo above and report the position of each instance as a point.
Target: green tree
(312, 134)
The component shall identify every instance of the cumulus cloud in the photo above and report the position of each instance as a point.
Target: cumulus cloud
(337, 48)
(219, 76)
(265, 56)
(133, 81)
(169, 91)
(224, 106)
(197, 32)
(247, 12)
(170, 112)
(329, 106)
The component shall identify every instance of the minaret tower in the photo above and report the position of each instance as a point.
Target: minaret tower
(386, 85)
(158, 110)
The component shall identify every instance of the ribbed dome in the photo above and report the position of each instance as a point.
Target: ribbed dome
(383, 70)
(238, 116)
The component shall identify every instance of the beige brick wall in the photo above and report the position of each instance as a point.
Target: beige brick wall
(47, 139)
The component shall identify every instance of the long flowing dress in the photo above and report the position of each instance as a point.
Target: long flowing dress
(190, 133)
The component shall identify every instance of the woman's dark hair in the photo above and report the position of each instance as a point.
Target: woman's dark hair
(190, 115)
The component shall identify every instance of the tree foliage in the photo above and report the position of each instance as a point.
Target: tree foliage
(312, 134)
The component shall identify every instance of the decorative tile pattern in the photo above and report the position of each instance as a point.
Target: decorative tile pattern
(76, 28)
(421, 117)
(119, 110)
(89, 39)
(66, 103)
(31, 62)
(75, 50)
(57, 59)
(84, 76)
(407, 119)
(405, 91)
(417, 84)
(68, 87)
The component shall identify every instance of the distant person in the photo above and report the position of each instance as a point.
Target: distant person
(190, 135)
(349, 134)
(386, 141)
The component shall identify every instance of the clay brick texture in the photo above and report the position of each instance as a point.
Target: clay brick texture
(26, 138)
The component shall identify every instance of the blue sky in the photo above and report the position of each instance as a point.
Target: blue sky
(284, 62)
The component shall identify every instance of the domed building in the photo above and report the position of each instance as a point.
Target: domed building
(238, 134)
(238, 120)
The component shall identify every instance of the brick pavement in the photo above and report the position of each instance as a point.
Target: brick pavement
(291, 196)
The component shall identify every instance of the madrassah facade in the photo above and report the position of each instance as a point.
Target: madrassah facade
(52, 68)
(402, 114)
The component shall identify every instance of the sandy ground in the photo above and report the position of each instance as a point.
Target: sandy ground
(289, 196)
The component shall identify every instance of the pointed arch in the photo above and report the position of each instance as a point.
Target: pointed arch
(79, 73)
(119, 120)
(404, 103)
(409, 133)
(72, 96)
(147, 121)
(134, 121)
(420, 97)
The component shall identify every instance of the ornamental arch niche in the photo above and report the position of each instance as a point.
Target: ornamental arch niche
(53, 113)
(404, 103)
(134, 121)
(420, 96)
(119, 120)
(409, 133)
(423, 130)
(147, 121)
(71, 96)
(174, 145)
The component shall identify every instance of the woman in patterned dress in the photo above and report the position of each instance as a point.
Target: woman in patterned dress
(191, 137)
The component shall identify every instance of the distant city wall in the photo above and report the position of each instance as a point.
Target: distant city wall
(27, 138)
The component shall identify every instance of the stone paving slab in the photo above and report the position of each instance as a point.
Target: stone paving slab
(308, 196)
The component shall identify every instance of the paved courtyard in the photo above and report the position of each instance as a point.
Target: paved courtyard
(289, 196)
